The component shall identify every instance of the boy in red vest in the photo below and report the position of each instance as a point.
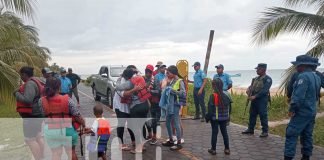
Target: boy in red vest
(100, 133)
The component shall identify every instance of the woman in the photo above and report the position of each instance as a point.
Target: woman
(139, 106)
(218, 115)
(175, 90)
(62, 116)
(122, 113)
(27, 107)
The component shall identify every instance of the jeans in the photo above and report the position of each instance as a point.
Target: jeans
(223, 127)
(303, 127)
(259, 107)
(199, 102)
(122, 119)
(176, 119)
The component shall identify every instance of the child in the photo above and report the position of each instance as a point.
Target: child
(100, 132)
(218, 114)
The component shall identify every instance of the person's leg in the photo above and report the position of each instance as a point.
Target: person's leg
(306, 139)
(223, 128)
(40, 141)
(294, 128)
(57, 153)
(34, 148)
(31, 130)
(121, 124)
(214, 126)
(263, 112)
(196, 101)
(202, 104)
(176, 122)
(168, 126)
(253, 116)
(76, 94)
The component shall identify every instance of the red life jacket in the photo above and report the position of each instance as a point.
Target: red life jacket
(143, 94)
(27, 108)
(56, 110)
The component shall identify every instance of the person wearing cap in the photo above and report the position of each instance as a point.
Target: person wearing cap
(66, 84)
(158, 64)
(302, 109)
(227, 82)
(259, 95)
(200, 81)
(75, 80)
(173, 96)
(46, 72)
(161, 75)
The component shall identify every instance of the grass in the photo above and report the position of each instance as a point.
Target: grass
(318, 133)
(8, 111)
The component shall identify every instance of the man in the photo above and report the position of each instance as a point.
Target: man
(46, 72)
(302, 108)
(158, 64)
(200, 81)
(66, 84)
(75, 80)
(259, 96)
(161, 75)
(227, 83)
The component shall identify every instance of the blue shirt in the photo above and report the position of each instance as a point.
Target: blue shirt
(65, 84)
(199, 77)
(305, 94)
(159, 77)
(226, 79)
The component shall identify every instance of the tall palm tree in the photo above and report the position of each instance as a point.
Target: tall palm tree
(24, 8)
(18, 47)
(279, 20)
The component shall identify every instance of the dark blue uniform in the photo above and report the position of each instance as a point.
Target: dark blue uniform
(303, 104)
(291, 82)
(260, 89)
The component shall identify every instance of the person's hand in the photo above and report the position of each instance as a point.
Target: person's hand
(137, 88)
(248, 91)
(252, 98)
(200, 92)
(173, 92)
(291, 114)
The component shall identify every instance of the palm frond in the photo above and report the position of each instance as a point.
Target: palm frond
(9, 81)
(279, 20)
(304, 2)
(22, 7)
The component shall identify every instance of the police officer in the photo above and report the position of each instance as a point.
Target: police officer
(302, 108)
(259, 97)
(200, 81)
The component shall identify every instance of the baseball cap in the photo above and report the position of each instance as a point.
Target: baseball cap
(219, 66)
(159, 63)
(149, 67)
(196, 64)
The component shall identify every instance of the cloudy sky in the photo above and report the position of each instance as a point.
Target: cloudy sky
(85, 34)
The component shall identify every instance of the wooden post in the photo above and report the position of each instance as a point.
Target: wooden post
(209, 47)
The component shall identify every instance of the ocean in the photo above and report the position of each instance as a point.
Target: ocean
(246, 76)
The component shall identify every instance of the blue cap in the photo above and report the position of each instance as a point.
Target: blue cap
(63, 70)
(196, 64)
(261, 65)
(219, 66)
(306, 60)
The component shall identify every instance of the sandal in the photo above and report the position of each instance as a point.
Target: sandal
(125, 148)
(134, 151)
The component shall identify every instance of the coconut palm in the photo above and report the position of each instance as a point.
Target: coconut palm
(278, 20)
(24, 8)
(18, 47)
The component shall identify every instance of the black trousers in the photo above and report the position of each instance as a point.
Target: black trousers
(122, 119)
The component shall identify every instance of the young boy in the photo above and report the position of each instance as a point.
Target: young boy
(100, 133)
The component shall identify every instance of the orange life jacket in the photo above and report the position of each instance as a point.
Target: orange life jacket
(99, 142)
(25, 107)
(56, 110)
(143, 94)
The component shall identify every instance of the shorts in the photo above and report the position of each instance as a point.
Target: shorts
(67, 137)
(32, 127)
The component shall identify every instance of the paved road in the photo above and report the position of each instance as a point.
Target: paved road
(197, 141)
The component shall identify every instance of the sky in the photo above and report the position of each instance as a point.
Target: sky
(85, 34)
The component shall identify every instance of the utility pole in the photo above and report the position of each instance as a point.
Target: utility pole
(209, 47)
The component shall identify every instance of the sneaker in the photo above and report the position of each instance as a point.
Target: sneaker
(168, 143)
(212, 152)
(227, 151)
(264, 134)
(182, 140)
(153, 141)
(176, 147)
(248, 131)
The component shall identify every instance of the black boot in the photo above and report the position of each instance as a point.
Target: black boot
(305, 157)
(248, 131)
(288, 158)
(176, 147)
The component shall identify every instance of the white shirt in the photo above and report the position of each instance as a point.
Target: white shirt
(117, 99)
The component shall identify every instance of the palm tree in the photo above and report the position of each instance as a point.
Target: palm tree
(24, 8)
(278, 20)
(18, 47)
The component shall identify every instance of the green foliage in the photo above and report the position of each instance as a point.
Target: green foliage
(22, 7)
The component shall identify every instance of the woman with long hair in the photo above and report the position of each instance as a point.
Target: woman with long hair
(62, 120)
(218, 114)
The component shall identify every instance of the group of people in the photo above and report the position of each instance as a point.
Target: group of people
(162, 93)
(49, 113)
